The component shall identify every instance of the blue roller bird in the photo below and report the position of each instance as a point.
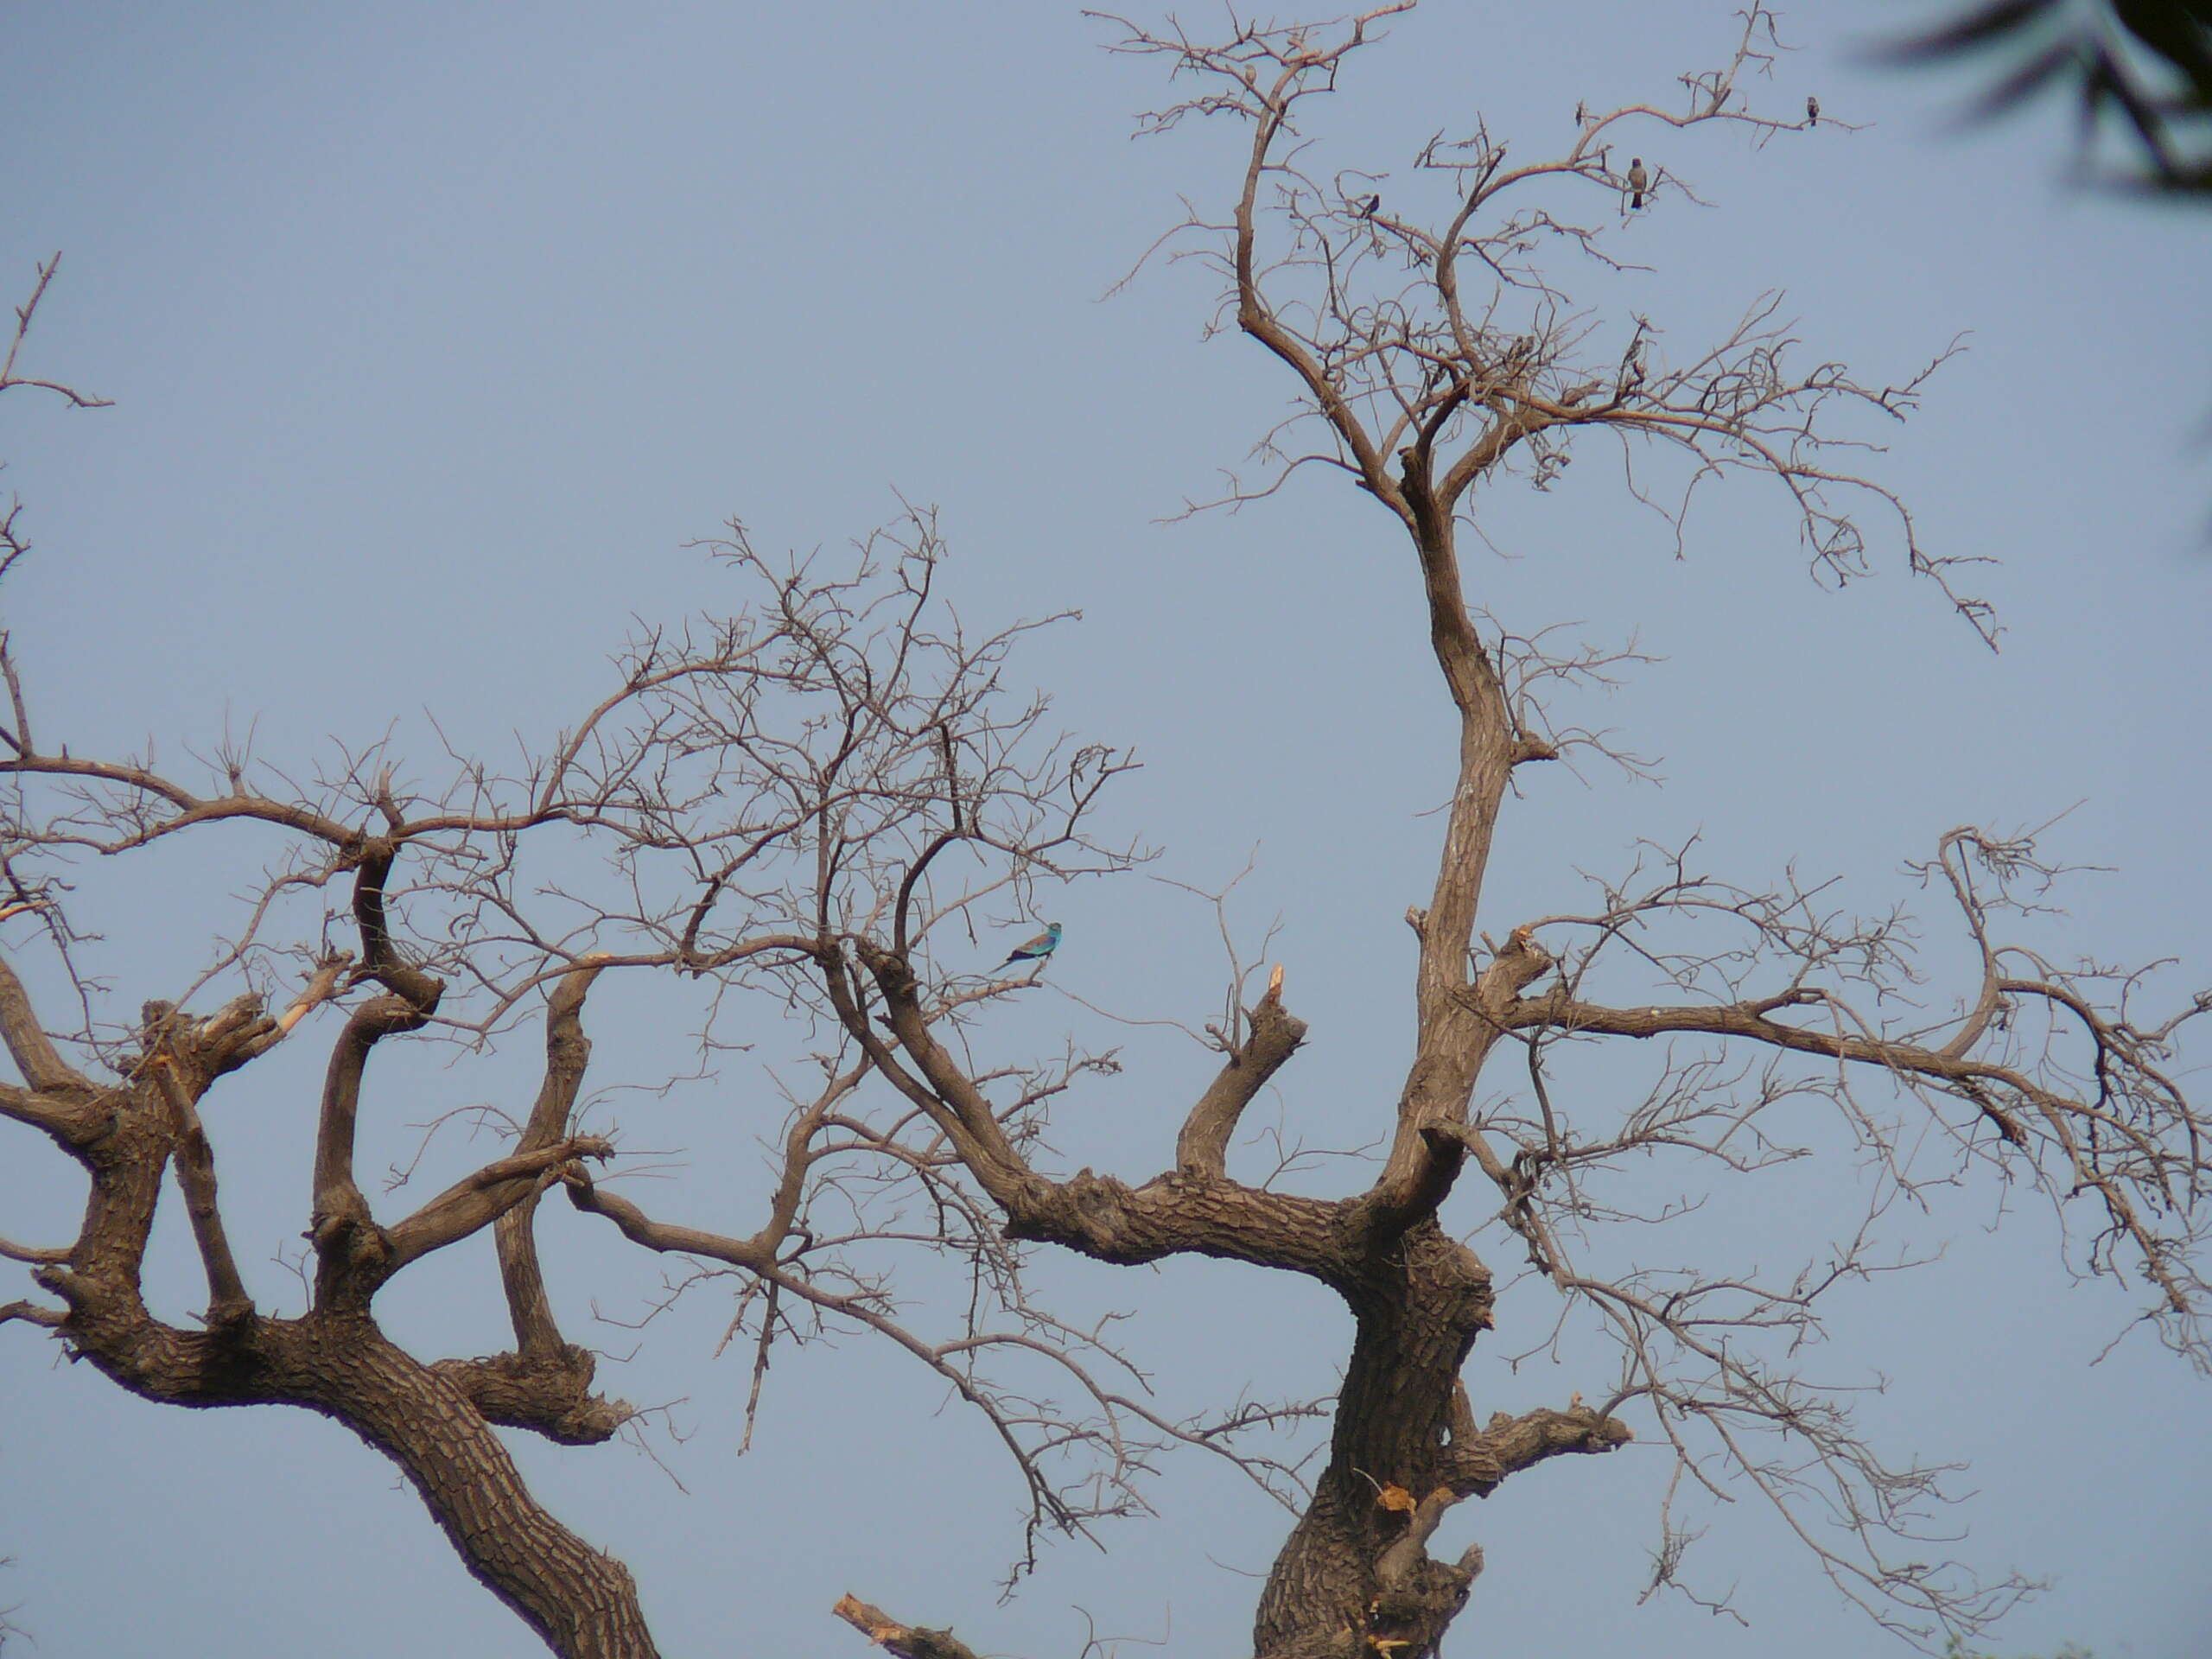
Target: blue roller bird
(1038, 948)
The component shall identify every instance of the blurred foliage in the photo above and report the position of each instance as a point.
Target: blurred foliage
(2145, 65)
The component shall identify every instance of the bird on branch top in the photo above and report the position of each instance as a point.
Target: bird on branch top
(1038, 948)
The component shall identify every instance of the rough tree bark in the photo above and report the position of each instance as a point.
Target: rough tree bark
(434, 1421)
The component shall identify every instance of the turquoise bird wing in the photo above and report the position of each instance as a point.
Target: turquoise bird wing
(1032, 950)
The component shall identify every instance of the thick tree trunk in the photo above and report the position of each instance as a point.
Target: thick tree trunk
(583, 1602)
(1353, 1576)
(434, 1421)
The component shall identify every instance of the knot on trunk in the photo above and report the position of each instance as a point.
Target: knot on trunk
(1410, 1615)
(1417, 1597)
(550, 1394)
(1088, 1211)
(353, 1255)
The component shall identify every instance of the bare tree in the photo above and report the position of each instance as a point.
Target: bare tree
(749, 797)
(747, 783)
(804, 813)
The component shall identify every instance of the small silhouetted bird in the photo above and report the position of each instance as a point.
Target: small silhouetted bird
(1638, 183)
(1812, 111)
(1368, 208)
(1038, 948)
(1582, 113)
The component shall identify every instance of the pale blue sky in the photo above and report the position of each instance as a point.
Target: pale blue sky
(434, 331)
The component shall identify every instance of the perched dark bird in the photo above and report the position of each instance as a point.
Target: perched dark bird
(1582, 113)
(1638, 183)
(1368, 208)
(1812, 111)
